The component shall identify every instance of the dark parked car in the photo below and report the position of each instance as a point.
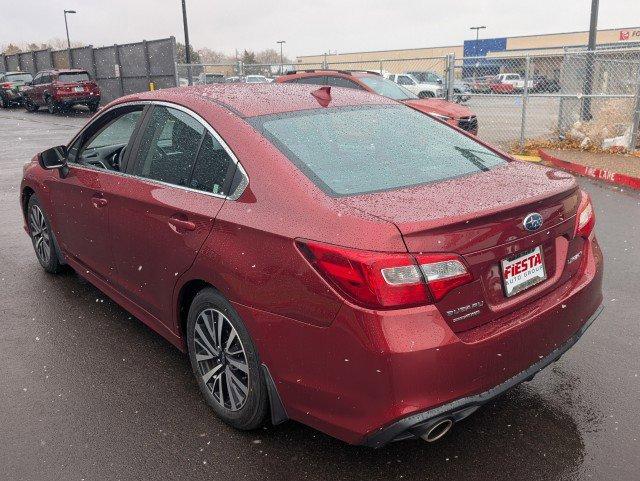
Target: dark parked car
(11, 85)
(544, 84)
(61, 89)
(325, 254)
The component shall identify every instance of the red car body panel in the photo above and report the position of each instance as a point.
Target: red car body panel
(341, 368)
(457, 114)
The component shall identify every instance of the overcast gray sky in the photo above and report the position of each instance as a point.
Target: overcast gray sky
(309, 27)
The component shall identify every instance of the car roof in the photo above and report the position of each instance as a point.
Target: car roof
(64, 70)
(15, 72)
(339, 73)
(252, 100)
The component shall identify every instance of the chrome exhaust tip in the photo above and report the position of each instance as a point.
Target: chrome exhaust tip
(437, 431)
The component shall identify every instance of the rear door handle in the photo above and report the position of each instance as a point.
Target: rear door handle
(182, 224)
(99, 202)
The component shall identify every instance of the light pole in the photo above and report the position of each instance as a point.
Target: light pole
(281, 57)
(475, 47)
(187, 48)
(66, 27)
(587, 86)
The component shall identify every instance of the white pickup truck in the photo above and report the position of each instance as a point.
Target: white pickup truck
(422, 90)
(514, 79)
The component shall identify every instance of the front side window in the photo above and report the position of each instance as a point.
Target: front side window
(169, 146)
(404, 80)
(73, 77)
(349, 151)
(105, 142)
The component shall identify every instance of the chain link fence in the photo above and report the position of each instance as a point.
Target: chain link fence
(591, 98)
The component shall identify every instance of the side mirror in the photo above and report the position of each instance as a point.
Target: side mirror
(55, 158)
(440, 81)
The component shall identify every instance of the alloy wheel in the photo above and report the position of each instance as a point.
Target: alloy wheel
(40, 234)
(222, 360)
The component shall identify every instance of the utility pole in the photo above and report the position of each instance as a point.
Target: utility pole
(587, 89)
(187, 47)
(281, 57)
(66, 27)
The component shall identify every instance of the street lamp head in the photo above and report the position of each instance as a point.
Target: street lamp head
(69, 11)
(281, 41)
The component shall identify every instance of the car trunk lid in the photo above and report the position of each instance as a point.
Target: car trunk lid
(480, 217)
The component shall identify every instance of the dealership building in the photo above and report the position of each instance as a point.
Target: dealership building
(487, 56)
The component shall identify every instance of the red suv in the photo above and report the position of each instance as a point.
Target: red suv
(61, 89)
(325, 255)
(449, 112)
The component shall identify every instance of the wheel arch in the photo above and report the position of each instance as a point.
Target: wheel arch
(25, 195)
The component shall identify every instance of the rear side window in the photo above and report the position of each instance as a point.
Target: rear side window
(320, 80)
(349, 151)
(343, 82)
(73, 77)
(212, 167)
(169, 146)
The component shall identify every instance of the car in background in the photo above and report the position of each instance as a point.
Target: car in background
(257, 79)
(325, 255)
(422, 90)
(509, 83)
(544, 84)
(449, 112)
(11, 85)
(210, 78)
(58, 90)
(480, 85)
(460, 88)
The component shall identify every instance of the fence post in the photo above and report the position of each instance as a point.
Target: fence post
(451, 63)
(381, 67)
(525, 100)
(147, 63)
(636, 117)
(119, 69)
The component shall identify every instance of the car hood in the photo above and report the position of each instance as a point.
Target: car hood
(440, 107)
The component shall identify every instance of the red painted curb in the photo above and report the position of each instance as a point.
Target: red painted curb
(600, 174)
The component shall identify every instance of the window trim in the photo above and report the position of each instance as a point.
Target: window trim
(137, 136)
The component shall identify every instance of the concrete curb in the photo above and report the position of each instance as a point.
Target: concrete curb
(593, 172)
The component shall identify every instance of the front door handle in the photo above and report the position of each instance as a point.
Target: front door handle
(182, 224)
(99, 202)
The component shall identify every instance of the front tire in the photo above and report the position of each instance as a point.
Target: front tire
(52, 106)
(29, 105)
(225, 361)
(42, 237)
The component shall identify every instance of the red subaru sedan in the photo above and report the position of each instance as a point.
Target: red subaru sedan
(323, 255)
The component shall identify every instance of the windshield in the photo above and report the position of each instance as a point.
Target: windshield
(256, 79)
(387, 88)
(18, 77)
(73, 77)
(356, 150)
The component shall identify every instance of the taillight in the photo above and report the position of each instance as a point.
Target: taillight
(381, 280)
(586, 218)
(6, 85)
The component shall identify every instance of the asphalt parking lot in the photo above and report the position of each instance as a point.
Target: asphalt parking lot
(87, 392)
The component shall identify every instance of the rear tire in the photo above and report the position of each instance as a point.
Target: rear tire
(230, 377)
(425, 94)
(42, 237)
(30, 106)
(4, 102)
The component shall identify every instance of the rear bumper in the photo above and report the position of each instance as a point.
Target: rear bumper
(85, 99)
(415, 425)
(11, 95)
(372, 376)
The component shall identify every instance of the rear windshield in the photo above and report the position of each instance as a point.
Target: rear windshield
(73, 77)
(387, 88)
(356, 150)
(18, 77)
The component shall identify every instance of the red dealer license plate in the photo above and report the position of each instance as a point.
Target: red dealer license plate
(523, 271)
